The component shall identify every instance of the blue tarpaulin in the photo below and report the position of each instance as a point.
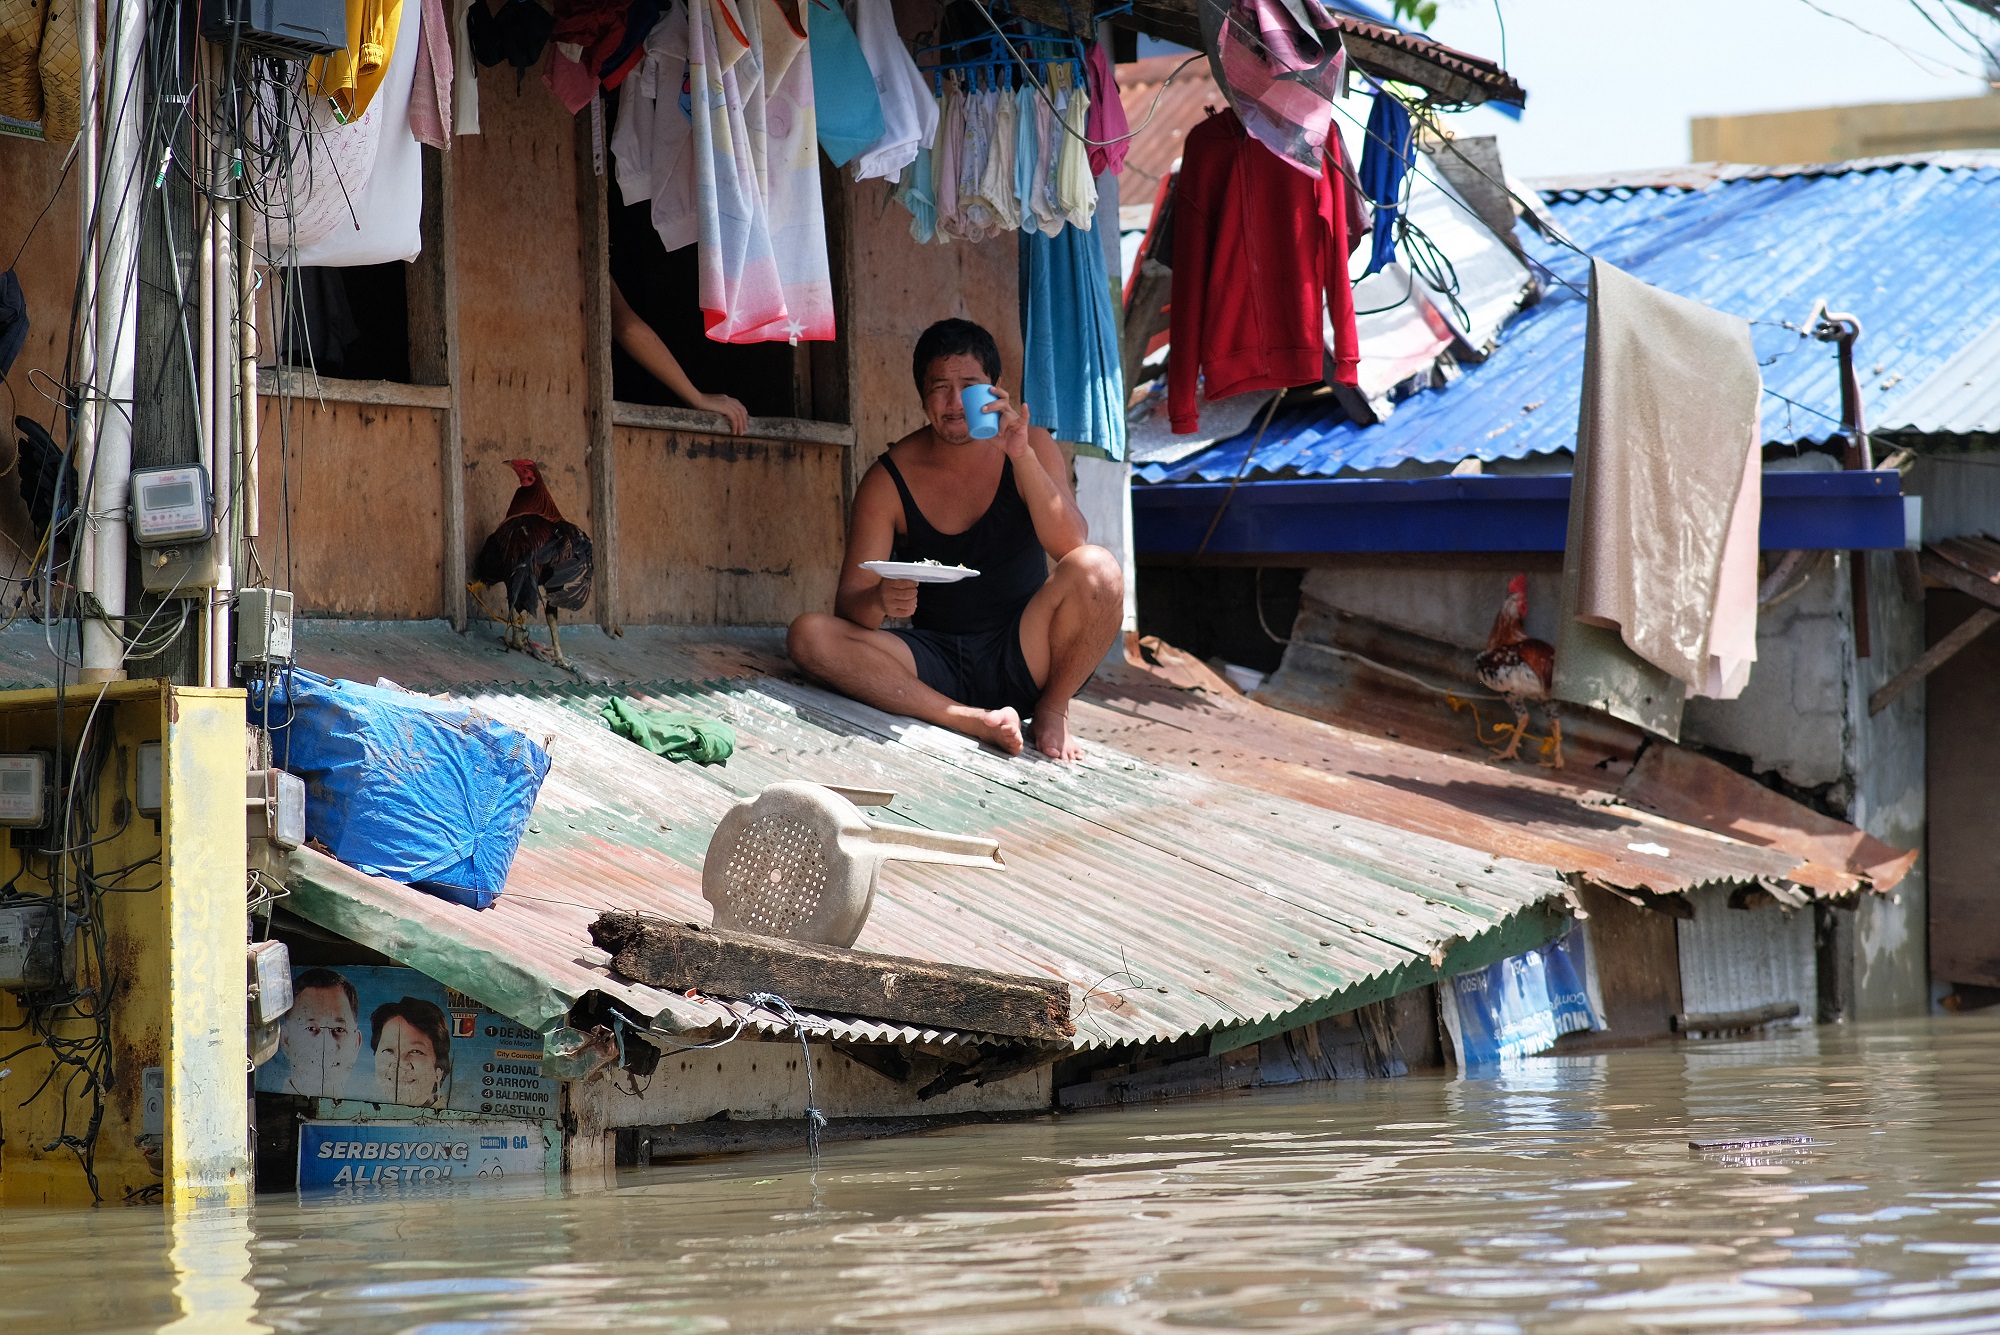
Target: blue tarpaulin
(428, 792)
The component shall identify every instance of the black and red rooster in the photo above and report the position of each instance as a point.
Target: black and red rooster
(1520, 669)
(542, 559)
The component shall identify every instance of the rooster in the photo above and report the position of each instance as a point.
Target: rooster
(1520, 669)
(539, 556)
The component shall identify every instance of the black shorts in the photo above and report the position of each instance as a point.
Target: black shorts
(986, 670)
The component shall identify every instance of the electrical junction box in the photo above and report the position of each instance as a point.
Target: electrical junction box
(287, 29)
(180, 572)
(171, 507)
(31, 947)
(263, 627)
(270, 996)
(24, 790)
(276, 807)
(150, 781)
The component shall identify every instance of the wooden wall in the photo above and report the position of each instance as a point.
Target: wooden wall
(29, 175)
(520, 298)
(352, 494)
(721, 531)
(1962, 722)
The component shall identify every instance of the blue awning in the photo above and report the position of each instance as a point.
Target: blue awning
(1858, 510)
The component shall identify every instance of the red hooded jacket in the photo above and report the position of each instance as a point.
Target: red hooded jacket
(1260, 253)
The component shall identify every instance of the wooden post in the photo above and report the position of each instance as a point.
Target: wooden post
(600, 454)
(433, 310)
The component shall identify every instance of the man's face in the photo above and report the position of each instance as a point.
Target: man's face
(406, 1064)
(322, 1040)
(944, 380)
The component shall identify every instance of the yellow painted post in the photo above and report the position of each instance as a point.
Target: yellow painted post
(208, 1111)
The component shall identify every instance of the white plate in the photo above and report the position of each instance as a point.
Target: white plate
(922, 574)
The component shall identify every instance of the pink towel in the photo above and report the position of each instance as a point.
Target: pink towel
(1106, 121)
(430, 97)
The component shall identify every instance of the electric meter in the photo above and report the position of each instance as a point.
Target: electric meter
(170, 506)
(24, 790)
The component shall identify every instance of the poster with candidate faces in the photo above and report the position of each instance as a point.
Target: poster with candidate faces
(394, 1036)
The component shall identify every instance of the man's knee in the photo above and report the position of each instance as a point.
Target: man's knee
(1095, 572)
(809, 637)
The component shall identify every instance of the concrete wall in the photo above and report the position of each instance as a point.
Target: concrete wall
(1833, 134)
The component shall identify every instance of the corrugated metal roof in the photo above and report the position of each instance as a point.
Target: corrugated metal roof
(1214, 869)
(1171, 903)
(1904, 247)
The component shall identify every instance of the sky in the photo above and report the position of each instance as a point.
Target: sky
(1612, 84)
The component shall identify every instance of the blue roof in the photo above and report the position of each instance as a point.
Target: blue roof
(1908, 248)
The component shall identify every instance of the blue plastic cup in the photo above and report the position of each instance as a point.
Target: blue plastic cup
(982, 424)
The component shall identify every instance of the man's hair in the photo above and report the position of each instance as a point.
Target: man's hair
(313, 980)
(954, 338)
(420, 1015)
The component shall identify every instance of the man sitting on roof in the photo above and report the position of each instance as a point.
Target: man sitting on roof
(1020, 639)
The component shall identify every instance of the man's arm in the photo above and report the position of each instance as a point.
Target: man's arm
(865, 598)
(1042, 479)
(642, 344)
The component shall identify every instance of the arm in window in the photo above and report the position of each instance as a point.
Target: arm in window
(644, 347)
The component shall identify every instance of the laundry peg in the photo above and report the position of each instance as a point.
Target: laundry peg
(800, 861)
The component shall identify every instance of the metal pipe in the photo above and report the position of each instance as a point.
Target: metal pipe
(246, 367)
(204, 168)
(222, 458)
(83, 423)
(116, 315)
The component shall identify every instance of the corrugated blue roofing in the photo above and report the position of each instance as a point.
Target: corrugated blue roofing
(1907, 248)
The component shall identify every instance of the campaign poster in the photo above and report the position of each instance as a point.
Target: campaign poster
(1520, 1006)
(363, 1154)
(386, 1035)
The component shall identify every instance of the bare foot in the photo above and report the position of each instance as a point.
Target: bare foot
(1052, 737)
(998, 727)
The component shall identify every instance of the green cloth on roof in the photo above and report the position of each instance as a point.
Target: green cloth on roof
(676, 736)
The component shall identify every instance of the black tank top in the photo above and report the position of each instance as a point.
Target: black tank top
(1001, 545)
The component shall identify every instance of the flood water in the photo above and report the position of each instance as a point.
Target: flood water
(1559, 1198)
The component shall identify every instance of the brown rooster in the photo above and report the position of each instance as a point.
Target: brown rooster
(541, 558)
(1520, 669)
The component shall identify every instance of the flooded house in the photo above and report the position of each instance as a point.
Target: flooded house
(1319, 880)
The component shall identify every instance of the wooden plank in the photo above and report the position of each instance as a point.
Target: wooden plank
(1933, 658)
(593, 211)
(678, 956)
(300, 383)
(1953, 576)
(451, 443)
(660, 417)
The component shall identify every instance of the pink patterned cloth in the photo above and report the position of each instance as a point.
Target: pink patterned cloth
(430, 97)
(1106, 122)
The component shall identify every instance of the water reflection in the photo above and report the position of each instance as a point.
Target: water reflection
(1561, 1197)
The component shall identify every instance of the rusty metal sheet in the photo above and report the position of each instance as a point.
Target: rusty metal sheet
(1389, 756)
(1681, 785)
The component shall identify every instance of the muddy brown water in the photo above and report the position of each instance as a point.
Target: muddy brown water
(1561, 1197)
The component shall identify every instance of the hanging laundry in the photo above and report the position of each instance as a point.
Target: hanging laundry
(909, 112)
(1070, 377)
(364, 180)
(593, 46)
(1107, 124)
(1663, 507)
(917, 192)
(430, 97)
(1076, 188)
(1027, 153)
(652, 145)
(996, 184)
(738, 283)
(1260, 268)
(848, 107)
(783, 128)
(517, 34)
(1283, 64)
(465, 83)
(352, 77)
(1385, 159)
